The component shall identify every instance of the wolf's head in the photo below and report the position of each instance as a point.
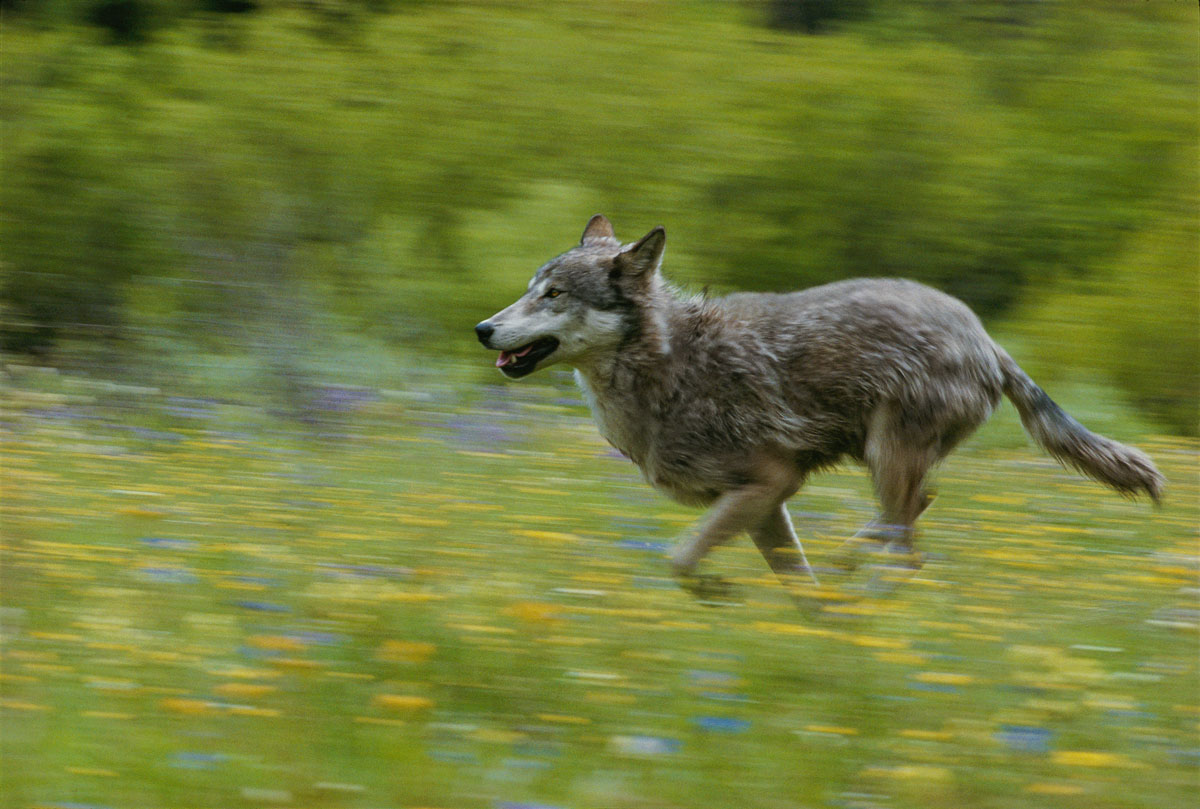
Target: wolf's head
(578, 305)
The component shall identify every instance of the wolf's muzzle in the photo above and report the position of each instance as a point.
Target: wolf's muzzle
(484, 332)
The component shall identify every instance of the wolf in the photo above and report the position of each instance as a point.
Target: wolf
(732, 402)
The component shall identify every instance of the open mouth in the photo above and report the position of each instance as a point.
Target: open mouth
(523, 360)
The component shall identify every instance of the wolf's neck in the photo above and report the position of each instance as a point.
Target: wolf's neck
(644, 353)
(624, 387)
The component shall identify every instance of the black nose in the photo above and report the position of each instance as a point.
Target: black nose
(484, 331)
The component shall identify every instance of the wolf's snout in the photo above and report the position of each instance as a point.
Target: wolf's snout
(484, 332)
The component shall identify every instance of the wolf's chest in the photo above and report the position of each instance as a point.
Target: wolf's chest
(617, 419)
(637, 429)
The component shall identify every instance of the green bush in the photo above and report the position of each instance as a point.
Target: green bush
(75, 231)
(401, 174)
(1136, 318)
(812, 16)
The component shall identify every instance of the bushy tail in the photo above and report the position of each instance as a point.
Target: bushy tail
(1126, 469)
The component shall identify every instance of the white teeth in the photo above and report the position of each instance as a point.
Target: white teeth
(509, 357)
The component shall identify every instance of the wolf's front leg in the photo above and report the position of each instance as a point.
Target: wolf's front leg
(745, 508)
(776, 541)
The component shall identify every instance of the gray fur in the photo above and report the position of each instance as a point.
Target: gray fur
(731, 402)
(1125, 469)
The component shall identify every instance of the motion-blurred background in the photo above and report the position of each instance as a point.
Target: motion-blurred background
(274, 532)
(277, 190)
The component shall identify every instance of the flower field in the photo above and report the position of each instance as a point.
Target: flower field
(435, 598)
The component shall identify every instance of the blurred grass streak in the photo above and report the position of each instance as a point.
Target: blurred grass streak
(453, 595)
(245, 199)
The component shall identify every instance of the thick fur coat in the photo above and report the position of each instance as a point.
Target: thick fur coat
(732, 402)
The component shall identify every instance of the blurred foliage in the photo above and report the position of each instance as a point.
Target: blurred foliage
(812, 16)
(1133, 318)
(309, 174)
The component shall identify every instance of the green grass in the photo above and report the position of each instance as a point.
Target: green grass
(452, 599)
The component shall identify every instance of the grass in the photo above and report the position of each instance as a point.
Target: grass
(429, 598)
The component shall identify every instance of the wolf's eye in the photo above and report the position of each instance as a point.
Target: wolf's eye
(553, 292)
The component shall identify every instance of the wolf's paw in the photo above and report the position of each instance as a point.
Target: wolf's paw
(819, 602)
(710, 590)
(853, 553)
(890, 570)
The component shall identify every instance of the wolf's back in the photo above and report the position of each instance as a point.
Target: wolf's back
(1126, 469)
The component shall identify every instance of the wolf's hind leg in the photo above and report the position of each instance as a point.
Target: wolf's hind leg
(874, 537)
(899, 459)
(899, 455)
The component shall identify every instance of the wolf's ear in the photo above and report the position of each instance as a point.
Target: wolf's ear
(643, 257)
(598, 229)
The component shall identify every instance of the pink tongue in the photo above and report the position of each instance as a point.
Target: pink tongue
(508, 356)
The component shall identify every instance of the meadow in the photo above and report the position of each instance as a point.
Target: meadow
(451, 594)
(274, 534)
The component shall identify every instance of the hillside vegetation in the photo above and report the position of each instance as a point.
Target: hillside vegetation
(282, 187)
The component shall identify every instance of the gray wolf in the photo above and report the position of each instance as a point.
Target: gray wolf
(732, 402)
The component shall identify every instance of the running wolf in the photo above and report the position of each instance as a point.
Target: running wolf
(731, 402)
